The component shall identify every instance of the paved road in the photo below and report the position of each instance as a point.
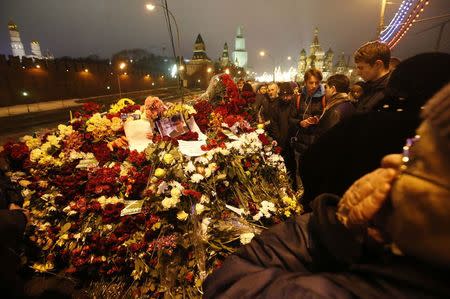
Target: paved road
(15, 126)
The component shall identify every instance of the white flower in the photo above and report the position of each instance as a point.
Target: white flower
(236, 210)
(257, 216)
(162, 188)
(65, 130)
(169, 202)
(67, 209)
(71, 213)
(204, 199)
(246, 238)
(224, 151)
(196, 178)
(31, 142)
(264, 211)
(202, 160)
(199, 208)
(182, 215)
(204, 227)
(112, 200)
(175, 193)
(53, 140)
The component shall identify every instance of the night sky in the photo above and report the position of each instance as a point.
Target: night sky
(281, 27)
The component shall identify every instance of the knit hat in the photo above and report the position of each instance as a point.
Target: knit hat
(285, 89)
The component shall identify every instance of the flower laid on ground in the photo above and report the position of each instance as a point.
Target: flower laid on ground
(151, 223)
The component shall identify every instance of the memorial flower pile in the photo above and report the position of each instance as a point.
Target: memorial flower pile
(156, 222)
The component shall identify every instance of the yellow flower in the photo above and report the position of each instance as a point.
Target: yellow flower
(260, 126)
(116, 124)
(122, 103)
(168, 159)
(43, 268)
(182, 215)
(246, 238)
(160, 173)
(175, 193)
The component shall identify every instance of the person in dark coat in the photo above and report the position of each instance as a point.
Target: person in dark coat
(338, 107)
(308, 109)
(364, 245)
(372, 63)
(281, 127)
(260, 99)
(358, 143)
(268, 107)
(13, 220)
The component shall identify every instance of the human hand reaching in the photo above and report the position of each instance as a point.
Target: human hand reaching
(312, 120)
(365, 197)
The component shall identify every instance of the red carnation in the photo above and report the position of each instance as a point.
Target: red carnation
(263, 138)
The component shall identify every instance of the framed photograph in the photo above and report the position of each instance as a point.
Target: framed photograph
(173, 126)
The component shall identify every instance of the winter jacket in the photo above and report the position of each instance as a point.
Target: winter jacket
(281, 126)
(308, 106)
(374, 94)
(268, 112)
(259, 103)
(339, 107)
(315, 256)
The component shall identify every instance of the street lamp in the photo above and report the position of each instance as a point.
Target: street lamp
(263, 54)
(151, 7)
(122, 66)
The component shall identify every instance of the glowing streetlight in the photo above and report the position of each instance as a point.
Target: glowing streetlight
(289, 58)
(38, 66)
(122, 66)
(150, 6)
(263, 54)
(209, 70)
(86, 70)
(24, 93)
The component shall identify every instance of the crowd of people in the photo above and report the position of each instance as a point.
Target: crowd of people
(377, 224)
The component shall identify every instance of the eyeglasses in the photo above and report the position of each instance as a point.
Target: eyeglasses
(408, 158)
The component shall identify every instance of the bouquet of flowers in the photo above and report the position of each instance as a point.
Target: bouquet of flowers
(151, 223)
